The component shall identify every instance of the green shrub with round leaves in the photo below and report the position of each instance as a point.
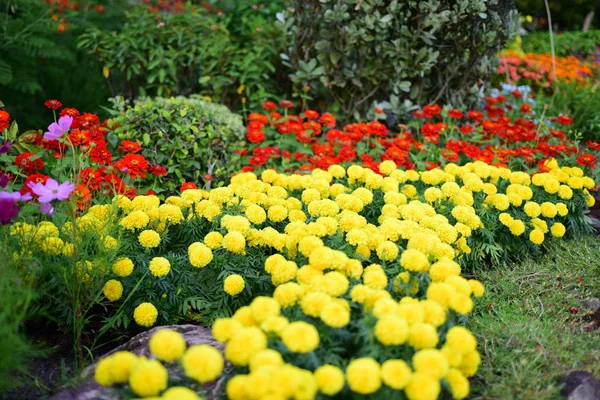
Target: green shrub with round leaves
(193, 139)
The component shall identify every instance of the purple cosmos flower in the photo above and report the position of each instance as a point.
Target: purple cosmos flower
(56, 130)
(8, 210)
(47, 208)
(51, 190)
(16, 196)
(5, 148)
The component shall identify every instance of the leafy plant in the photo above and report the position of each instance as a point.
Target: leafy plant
(425, 51)
(190, 137)
(566, 43)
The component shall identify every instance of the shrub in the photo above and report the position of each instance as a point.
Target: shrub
(368, 50)
(192, 51)
(565, 13)
(579, 44)
(192, 138)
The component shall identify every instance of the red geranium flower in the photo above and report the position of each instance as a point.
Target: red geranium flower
(100, 155)
(28, 165)
(157, 170)
(127, 146)
(53, 104)
(187, 185)
(134, 165)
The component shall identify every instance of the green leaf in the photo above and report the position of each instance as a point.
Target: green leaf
(146, 139)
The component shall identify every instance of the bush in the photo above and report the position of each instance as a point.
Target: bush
(39, 60)
(581, 44)
(567, 14)
(368, 50)
(193, 51)
(190, 137)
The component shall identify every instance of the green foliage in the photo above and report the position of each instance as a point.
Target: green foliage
(37, 62)
(15, 298)
(577, 101)
(188, 136)
(565, 43)
(567, 14)
(190, 52)
(425, 51)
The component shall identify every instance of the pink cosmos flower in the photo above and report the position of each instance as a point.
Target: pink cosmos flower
(16, 196)
(51, 190)
(56, 130)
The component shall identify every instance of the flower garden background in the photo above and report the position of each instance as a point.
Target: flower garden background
(351, 199)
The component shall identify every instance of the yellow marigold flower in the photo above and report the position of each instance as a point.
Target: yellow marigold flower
(308, 244)
(110, 242)
(284, 272)
(505, 219)
(159, 266)
(244, 315)
(575, 182)
(213, 240)
(200, 255)
(145, 314)
(364, 375)
(387, 167)
(300, 337)
(375, 278)
(431, 362)
(459, 385)
(330, 379)
(256, 214)
(335, 315)
(558, 230)
(532, 209)
(590, 200)
(236, 387)
(180, 392)
(470, 363)
(391, 330)
(422, 387)
(263, 307)
(548, 210)
(102, 372)
(235, 223)
(414, 260)
(387, 251)
(275, 325)
(234, 284)
(476, 287)
(288, 294)
(395, 374)
(224, 328)
(265, 358)
(52, 245)
(517, 227)
(135, 220)
(122, 365)
(277, 213)
(149, 378)
(461, 339)
(68, 249)
(422, 336)
(235, 242)
(268, 175)
(536, 236)
(202, 362)
(244, 344)
(167, 345)
(113, 290)
(562, 209)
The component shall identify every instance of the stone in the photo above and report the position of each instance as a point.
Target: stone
(90, 390)
(580, 385)
(591, 304)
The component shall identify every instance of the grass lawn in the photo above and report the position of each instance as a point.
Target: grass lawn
(531, 326)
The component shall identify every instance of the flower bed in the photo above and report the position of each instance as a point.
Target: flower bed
(339, 270)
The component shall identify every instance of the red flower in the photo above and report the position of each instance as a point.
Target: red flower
(100, 155)
(53, 104)
(157, 170)
(269, 106)
(377, 128)
(28, 165)
(83, 196)
(33, 178)
(517, 94)
(255, 136)
(208, 177)
(92, 178)
(455, 114)
(187, 185)
(564, 119)
(431, 110)
(328, 120)
(466, 129)
(86, 121)
(587, 160)
(134, 165)
(311, 114)
(73, 112)
(4, 120)
(286, 104)
(525, 108)
(99, 8)
(127, 146)
(378, 110)
(475, 115)
(79, 137)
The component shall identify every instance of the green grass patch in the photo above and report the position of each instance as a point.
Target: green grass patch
(531, 326)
